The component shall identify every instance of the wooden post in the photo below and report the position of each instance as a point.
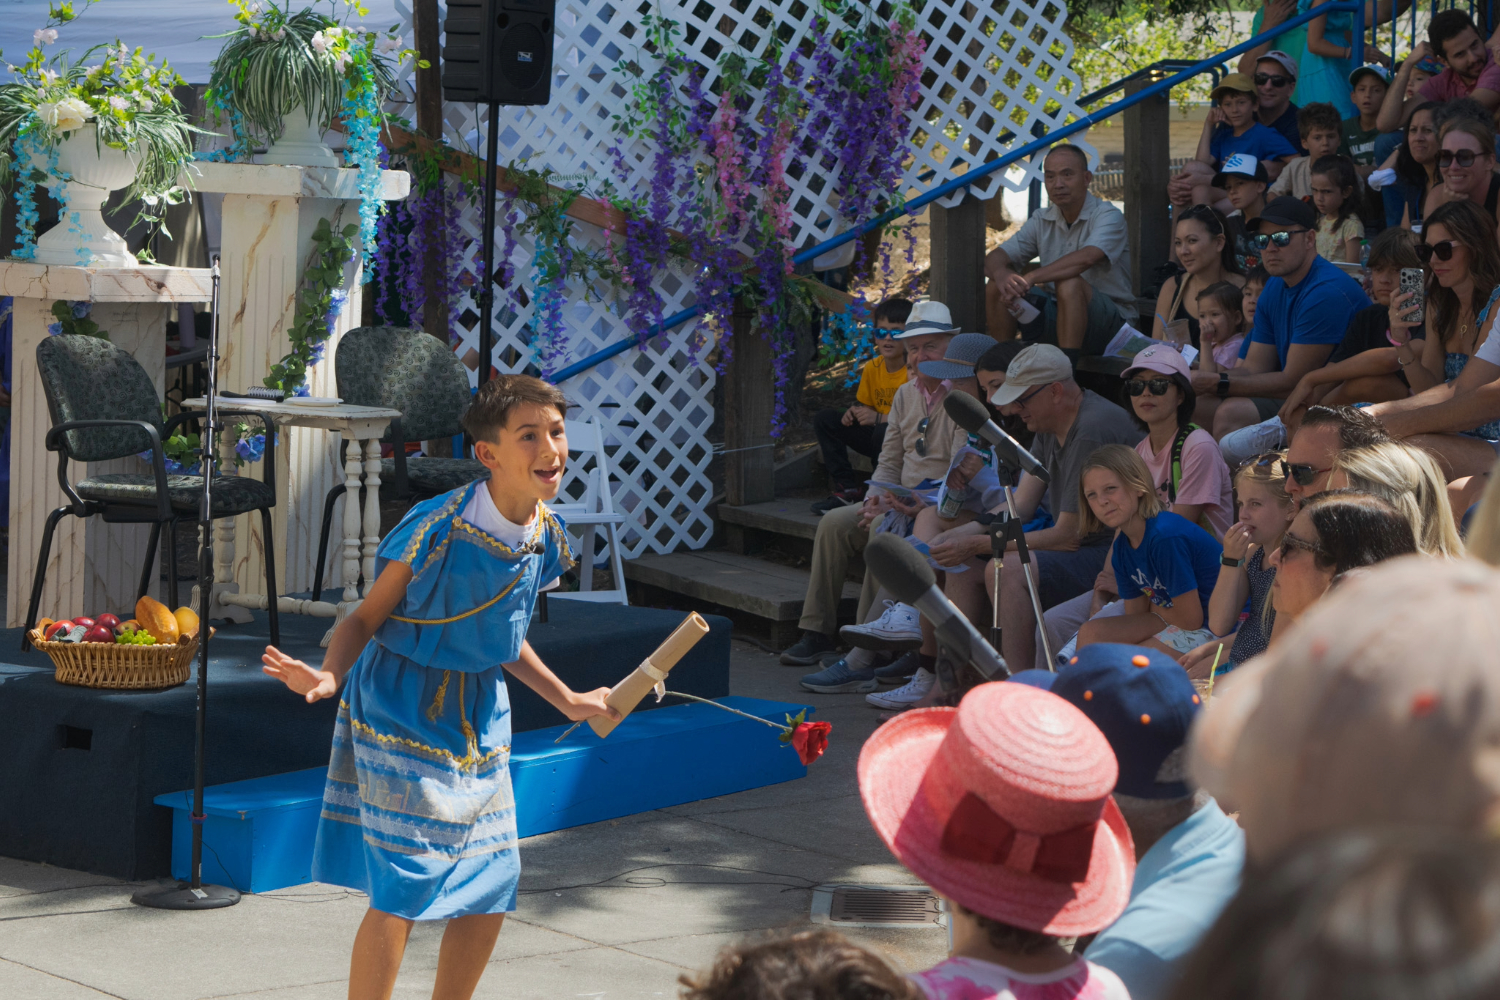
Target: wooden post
(430, 123)
(749, 458)
(1147, 169)
(958, 261)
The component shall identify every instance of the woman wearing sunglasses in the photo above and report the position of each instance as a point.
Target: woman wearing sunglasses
(1460, 250)
(1184, 460)
(1333, 533)
(1201, 242)
(1466, 159)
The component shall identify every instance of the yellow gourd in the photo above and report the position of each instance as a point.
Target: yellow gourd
(187, 620)
(155, 618)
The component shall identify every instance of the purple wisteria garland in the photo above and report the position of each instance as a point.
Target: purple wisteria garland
(424, 227)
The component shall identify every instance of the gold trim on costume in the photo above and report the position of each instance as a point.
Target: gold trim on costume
(467, 761)
(473, 611)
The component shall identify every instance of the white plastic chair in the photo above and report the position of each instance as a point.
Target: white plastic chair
(594, 509)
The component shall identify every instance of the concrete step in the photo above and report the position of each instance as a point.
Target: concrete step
(755, 587)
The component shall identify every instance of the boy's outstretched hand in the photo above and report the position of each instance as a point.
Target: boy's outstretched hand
(587, 704)
(312, 684)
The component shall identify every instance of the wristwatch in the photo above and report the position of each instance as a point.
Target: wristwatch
(1231, 563)
(1223, 385)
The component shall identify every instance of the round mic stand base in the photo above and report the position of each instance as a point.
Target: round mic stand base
(183, 896)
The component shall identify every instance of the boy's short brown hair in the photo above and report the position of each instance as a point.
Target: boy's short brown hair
(1317, 115)
(490, 412)
(811, 965)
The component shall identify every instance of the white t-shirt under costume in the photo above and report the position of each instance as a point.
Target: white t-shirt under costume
(482, 513)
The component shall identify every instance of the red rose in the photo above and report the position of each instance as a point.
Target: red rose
(810, 739)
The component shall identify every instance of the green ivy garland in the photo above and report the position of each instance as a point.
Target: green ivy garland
(319, 304)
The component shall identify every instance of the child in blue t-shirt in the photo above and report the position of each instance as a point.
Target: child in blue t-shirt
(1231, 127)
(1165, 565)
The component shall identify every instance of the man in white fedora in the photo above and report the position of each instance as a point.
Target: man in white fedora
(920, 442)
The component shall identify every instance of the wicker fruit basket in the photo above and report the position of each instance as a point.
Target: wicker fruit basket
(119, 665)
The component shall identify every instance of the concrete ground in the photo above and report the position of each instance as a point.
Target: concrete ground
(616, 909)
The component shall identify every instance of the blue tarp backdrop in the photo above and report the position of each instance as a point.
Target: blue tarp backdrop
(175, 30)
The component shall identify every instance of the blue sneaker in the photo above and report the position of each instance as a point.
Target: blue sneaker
(841, 678)
(900, 670)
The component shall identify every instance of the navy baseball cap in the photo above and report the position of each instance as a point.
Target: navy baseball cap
(1144, 704)
(1043, 679)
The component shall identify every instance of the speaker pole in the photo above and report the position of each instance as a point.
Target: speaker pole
(487, 245)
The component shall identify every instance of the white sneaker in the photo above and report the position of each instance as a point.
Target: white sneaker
(898, 628)
(907, 695)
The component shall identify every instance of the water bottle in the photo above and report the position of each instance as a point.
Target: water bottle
(952, 502)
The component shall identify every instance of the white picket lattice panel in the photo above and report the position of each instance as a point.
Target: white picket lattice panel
(988, 68)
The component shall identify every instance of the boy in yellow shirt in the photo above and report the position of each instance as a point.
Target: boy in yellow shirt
(862, 426)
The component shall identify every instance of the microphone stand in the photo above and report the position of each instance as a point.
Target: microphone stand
(194, 894)
(1008, 528)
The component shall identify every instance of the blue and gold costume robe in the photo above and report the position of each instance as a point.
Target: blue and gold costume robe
(418, 811)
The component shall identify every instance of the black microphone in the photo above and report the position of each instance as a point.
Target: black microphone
(902, 570)
(970, 414)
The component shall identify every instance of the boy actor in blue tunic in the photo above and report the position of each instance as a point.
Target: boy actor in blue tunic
(418, 811)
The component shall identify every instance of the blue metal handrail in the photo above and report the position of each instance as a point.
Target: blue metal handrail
(984, 170)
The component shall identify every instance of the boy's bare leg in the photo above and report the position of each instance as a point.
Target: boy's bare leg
(378, 948)
(468, 943)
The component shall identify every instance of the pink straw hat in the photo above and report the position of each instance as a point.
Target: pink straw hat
(1003, 806)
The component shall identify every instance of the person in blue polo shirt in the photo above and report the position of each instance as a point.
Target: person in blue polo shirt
(1189, 855)
(1300, 318)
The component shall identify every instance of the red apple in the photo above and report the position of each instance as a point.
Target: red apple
(108, 620)
(56, 627)
(85, 622)
(98, 633)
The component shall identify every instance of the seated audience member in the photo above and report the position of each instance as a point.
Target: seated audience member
(808, 965)
(947, 789)
(1409, 480)
(1466, 157)
(1274, 73)
(1189, 855)
(1182, 459)
(1069, 423)
(1334, 532)
(1255, 283)
(1165, 566)
(1222, 326)
(1415, 171)
(1335, 192)
(1323, 433)
(1459, 249)
(1082, 286)
(1231, 127)
(1319, 126)
(1241, 601)
(1358, 134)
(920, 441)
(1201, 245)
(1243, 180)
(1301, 315)
(1372, 914)
(862, 426)
(1382, 706)
(973, 484)
(1470, 70)
(1366, 367)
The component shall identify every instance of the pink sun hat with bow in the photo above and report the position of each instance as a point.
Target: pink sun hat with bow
(1003, 806)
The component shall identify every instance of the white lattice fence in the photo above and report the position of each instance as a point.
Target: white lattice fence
(989, 67)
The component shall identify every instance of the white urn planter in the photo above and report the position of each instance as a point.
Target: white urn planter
(301, 144)
(96, 170)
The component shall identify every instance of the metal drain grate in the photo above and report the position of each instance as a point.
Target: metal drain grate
(878, 906)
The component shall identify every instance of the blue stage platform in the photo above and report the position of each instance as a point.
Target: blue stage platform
(82, 766)
(259, 833)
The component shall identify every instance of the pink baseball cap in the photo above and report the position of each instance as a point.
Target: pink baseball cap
(1003, 806)
(1161, 358)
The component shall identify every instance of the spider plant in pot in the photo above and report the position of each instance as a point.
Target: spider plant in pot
(83, 129)
(282, 76)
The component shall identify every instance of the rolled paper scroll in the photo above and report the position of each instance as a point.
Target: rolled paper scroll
(627, 694)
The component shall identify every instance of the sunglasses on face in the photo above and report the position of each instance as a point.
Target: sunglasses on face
(1262, 240)
(1261, 79)
(1302, 475)
(921, 445)
(1291, 543)
(1464, 158)
(1158, 386)
(1442, 251)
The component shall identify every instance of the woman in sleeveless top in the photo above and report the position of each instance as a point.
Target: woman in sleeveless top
(1463, 261)
(1202, 244)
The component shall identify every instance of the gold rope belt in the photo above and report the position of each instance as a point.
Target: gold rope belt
(445, 621)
